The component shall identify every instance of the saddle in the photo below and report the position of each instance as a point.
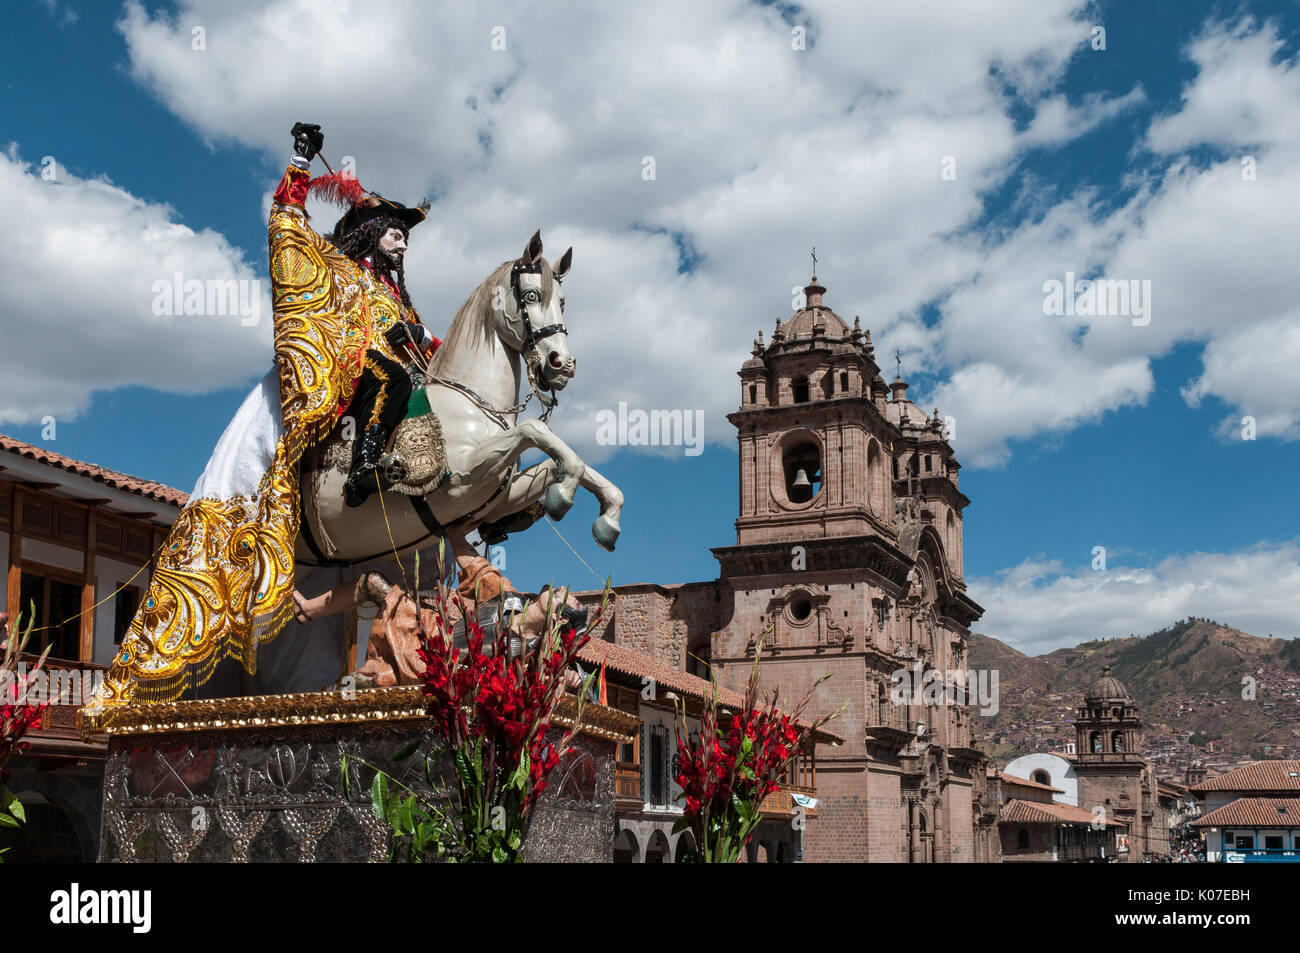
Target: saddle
(416, 463)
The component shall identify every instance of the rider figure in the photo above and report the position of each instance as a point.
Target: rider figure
(373, 232)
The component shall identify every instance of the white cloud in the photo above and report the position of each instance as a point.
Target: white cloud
(1040, 606)
(1218, 248)
(1056, 121)
(761, 151)
(77, 294)
(1255, 370)
(1240, 96)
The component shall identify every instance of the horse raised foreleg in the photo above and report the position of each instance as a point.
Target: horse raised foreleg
(605, 529)
(529, 486)
(489, 459)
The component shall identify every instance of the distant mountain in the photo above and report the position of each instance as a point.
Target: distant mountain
(1187, 679)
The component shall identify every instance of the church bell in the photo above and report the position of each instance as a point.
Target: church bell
(801, 488)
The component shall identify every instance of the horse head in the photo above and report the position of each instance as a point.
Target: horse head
(530, 315)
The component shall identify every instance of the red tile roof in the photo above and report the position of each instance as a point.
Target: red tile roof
(1016, 811)
(1254, 812)
(626, 661)
(1260, 776)
(120, 481)
(1012, 779)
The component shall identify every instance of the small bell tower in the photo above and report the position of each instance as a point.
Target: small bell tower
(813, 434)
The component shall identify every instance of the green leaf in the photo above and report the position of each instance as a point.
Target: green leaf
(7, 821)
(499, 856)
(519, 777)
(514, 840)
(468, 776)
(379, 794)
(10, 804)
(683, 824)
(407, 751)
(744, 810)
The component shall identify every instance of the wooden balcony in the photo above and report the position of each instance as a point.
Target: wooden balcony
(627, 787)
(58, 736)
(1081, 853)
(780, 804)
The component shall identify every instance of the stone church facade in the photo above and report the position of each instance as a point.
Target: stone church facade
(848, 562)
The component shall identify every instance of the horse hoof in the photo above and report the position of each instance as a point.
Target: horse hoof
(605, 531)
(556, 503)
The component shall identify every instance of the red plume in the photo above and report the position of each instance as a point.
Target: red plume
(338, 188)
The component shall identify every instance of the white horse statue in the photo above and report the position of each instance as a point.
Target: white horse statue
(474, 392)
(510, 332)
(454, 470)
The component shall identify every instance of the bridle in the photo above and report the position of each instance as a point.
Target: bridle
(531, 337)
(532, 357)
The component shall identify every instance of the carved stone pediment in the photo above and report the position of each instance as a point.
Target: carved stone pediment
(801, 617)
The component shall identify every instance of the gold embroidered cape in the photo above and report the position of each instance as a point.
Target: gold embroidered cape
(224, 578)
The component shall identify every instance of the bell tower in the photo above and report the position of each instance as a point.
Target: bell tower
(847, 562)
(1107, 728)
(1113, 776)
(813, 434)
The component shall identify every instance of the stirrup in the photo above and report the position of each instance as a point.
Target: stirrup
(393, 467)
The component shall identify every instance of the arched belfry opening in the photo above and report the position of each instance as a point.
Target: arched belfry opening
(802, 465)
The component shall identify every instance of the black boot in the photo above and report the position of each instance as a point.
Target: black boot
(363, 479)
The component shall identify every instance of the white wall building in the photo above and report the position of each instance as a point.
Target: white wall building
(1049, 769)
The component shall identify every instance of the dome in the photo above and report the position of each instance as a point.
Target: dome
(1107, 688)
(815, 318)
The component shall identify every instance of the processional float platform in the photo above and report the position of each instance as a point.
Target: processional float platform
(260, 779)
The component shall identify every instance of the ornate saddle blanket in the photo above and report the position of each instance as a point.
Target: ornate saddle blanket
(418, 461)
(417, 465)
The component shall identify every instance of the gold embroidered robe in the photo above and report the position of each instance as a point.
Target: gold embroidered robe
(224, 578)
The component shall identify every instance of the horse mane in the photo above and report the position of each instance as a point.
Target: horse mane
(471, 326)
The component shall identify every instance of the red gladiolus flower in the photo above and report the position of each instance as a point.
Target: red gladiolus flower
(488, 705)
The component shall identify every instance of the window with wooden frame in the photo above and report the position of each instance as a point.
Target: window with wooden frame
(657, 766)
(802, 772)
(55, 596)
(125, 604)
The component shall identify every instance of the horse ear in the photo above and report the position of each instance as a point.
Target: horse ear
(562, 266)
(533, 250)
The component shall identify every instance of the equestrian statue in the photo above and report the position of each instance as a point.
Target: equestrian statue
(369, 438)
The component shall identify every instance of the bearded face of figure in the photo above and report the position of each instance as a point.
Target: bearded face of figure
(393, 245)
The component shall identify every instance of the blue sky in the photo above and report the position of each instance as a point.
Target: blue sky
(1069, 158)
